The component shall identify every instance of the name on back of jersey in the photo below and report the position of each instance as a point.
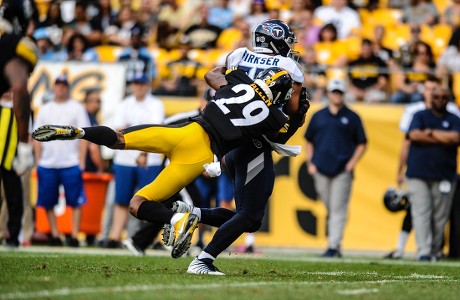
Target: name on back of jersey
(253, 59)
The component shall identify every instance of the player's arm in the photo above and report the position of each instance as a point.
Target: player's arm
(402, 161)
(17, 73)
(216, 77)
(293, 104)
(297, 119)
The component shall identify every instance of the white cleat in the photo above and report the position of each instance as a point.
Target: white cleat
(203, 267)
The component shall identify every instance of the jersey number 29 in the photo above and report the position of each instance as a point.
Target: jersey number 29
(253, 112)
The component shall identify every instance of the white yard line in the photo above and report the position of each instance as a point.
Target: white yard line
(357, 292)
(146, 288)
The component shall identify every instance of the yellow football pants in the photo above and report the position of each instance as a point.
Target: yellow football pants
(188, 148)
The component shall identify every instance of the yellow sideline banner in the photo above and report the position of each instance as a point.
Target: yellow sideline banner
(295, 219)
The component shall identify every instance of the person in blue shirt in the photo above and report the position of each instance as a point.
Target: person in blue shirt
(137, 57)
(431, 172)
(336, 140)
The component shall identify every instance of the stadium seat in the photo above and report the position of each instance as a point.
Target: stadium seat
(441, 37)
(386, 16)
(108, 53)
(42, 7)
(351, 46)
(329, 53)
(441, 5)
(396, 36)
(456, 87)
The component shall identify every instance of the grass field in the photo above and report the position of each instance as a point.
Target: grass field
(91, 275)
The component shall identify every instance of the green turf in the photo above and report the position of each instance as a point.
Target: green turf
(87, 276)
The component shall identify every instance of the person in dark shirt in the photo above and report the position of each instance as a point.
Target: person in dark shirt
(243, 109)
(18, 57)
(368, 76)
(336, 140)
(203, 35)
(431, 172)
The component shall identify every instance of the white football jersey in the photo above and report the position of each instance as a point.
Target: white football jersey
(253, 63)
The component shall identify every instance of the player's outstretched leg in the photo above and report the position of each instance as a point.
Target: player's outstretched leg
(183, 231)
(47, 133)
(203, 266)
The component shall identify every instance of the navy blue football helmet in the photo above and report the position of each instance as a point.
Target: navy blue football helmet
(396, 200)
(273, 36)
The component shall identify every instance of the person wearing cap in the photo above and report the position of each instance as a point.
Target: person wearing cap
(335, 141)
(133, 169)
(61, 163)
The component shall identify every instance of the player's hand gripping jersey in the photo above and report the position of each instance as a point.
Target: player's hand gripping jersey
(240, 111)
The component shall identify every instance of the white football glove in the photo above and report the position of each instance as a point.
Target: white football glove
(213, 169)
(24, 160)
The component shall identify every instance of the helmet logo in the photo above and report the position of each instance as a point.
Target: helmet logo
(275, 30)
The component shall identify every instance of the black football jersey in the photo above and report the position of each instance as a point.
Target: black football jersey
(14, 45)
(239, 112)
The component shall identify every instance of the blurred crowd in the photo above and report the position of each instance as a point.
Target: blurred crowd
(385, 49)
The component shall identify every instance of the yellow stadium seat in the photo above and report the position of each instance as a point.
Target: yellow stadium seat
(441, 5)
(351, 47)
(456, 87)
(336, 73)
(396, 36)
(42, 7)
(386, 16)
(441, 37)
(108, 53)
(329, 53)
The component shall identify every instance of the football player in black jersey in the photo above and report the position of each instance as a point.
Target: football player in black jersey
(243, 109)
(18, 57)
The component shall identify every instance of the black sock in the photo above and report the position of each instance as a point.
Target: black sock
(155, 212)
(101, 135)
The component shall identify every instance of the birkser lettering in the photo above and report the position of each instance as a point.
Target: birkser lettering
(261, 93)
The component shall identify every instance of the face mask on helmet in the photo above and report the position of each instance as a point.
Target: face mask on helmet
(15, 15)
(274, 37)
(279, 83)
(396, 200)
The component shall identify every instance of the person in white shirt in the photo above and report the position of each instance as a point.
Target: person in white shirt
(134, 169)
(338, 13)
(61, 162)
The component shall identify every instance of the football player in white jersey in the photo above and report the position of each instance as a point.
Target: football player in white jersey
(251, 166)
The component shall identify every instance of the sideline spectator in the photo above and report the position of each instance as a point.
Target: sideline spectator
(134, 169)
(335, 142)
(429, 85)
(61, 162)
(431, 173)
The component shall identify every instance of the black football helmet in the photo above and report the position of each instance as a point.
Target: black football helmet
(17, 14)
(273, 36)
(396, 200)
(279, 82)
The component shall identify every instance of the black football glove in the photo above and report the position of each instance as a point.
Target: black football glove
(304, 101)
